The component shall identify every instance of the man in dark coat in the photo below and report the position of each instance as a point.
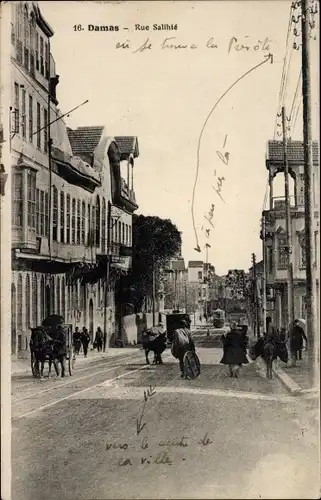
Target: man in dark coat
(77, 340)
(296, 343)
(182, 342)
(234, 350)
(60, 348)
(85, 339)
(99, 339)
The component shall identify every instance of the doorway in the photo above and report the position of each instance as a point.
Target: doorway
(91, 320)
(47, 301)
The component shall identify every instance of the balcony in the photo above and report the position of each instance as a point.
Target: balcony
(279, 203)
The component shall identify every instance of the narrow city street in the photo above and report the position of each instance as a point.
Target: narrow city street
(121, 429)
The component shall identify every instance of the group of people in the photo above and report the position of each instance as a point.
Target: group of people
(235, 344)
(82, 339)
(296, 338)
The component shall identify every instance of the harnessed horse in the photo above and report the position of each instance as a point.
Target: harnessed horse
(43, 349)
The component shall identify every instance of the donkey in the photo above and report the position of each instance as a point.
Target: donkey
(269, 350)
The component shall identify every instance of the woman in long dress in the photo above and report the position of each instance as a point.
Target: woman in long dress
(234, 350)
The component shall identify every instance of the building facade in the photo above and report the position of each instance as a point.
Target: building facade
(198, 285)
(274, 236)
(72, 199)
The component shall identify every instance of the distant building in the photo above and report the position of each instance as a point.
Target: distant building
(197, 285)
(175, 284)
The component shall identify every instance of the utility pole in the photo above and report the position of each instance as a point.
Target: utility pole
(256, 302)
(153, 291)
(49, 156)
(264, 270)
(288, 229)
(207, 246)
(107, 278)
(308, 197)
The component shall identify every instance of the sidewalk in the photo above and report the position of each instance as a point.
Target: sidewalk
(298, 373)
(21, 366)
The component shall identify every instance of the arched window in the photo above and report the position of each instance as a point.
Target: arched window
(63, 295)
(126, 235)
(19, 305)
(34, 300)
(119, 232)
(54, 213)
(73, 221)
(68, 239)
(78, 222)
(28, 296)
(58, 291)
(68, 299)
(123, 233)
(97, 236)
(62, 217)
(75, 295)
(103, 227)
(93, 225)
(98, 293)
(42, 298)
(83, 222)
(89, 224)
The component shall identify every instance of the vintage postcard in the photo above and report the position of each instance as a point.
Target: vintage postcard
(160, 250)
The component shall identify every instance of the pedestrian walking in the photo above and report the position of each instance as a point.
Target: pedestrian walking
(182, 342)
(60, 348)
(234, 350)
(99, 339)
(85, 339)
(296, 342)
(76, 336)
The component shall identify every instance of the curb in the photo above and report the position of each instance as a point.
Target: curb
(89, 362)
(292, 387)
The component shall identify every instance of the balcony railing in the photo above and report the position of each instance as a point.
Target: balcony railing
(127, 193)
(279, 202)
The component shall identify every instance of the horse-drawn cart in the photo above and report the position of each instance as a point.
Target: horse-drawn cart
(52, 342)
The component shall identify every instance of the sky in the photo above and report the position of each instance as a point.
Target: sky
(163, 96)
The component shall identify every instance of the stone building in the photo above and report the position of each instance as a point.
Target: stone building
(274, 241)
(72, 198)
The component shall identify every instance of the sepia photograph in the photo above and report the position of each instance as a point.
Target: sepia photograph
(160, 249)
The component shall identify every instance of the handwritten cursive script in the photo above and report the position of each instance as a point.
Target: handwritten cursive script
(234, 44)
(148, 394)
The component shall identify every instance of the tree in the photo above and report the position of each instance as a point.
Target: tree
(155, 241)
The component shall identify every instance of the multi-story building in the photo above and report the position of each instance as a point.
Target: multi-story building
(71, 207)
(275, 241)
(197, 285)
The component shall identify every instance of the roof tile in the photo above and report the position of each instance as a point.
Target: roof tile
(295, 151)
(195, 263)
(127, 145)
(84, 140)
